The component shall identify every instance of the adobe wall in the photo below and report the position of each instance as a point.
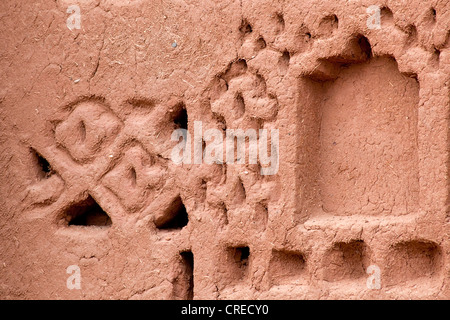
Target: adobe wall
(355, 206)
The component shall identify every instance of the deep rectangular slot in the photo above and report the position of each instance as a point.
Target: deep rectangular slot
(183, 286)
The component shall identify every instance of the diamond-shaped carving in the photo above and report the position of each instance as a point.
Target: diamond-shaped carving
(136, 178)
(89, 128)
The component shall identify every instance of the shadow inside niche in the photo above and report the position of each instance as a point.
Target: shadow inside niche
(238, 260)
(183, 284)
(87, 213)
(42, 167)
(174, 217)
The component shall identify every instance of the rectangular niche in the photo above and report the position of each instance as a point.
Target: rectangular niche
(357, 144)
(287, 267)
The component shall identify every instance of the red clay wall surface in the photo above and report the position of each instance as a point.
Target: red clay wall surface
(93, 205)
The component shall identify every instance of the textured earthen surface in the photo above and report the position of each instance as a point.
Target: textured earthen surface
(87, 177)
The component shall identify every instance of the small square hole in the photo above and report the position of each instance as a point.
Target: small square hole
(240, 256)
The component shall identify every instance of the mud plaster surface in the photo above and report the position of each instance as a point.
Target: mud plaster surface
(86, 118)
